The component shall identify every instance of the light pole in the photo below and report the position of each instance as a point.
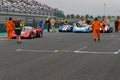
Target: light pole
(104, 9)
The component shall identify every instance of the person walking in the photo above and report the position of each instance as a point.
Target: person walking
(9, 28)
(96, 29)
(18, 29)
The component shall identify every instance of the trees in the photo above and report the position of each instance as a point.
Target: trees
(72, 16)
(87, 16)
(68, 16)
(77, 16)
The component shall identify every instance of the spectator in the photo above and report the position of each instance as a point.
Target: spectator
(52, 24)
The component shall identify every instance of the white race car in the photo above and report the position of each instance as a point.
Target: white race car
(108, 29)
(82, 28)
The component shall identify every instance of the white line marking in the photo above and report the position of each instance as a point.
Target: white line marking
(3, 39)
(67, 51)
(81, 49)
(34, 50)
(117, 52)
(56, 50)
(91, 52)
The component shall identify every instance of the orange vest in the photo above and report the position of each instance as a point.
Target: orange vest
(96, 25)
(103, 23)
(9, 25)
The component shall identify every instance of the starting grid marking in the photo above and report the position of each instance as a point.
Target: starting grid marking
(67, 51)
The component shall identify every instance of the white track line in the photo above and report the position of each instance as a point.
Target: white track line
(67, 51)
(33, 50)
(117, 52)
(81, 49)
(93, 52)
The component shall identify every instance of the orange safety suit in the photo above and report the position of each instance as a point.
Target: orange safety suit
(9, 28)
(118, 24)
(96, 29)
(103, 23)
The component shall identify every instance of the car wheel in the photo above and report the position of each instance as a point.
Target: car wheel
(110, 30)
(60, 30)
(40, 34)
(87, 30)
(31, 36)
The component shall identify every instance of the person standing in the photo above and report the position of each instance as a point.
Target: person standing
(41, 25)
(52, 24)
(116, 25)
(119, 24)
(103, 23)
(96, 29)
(48, 24)
(9, 28)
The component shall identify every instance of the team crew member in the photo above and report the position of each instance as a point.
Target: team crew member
(96, 29)
(103, 23)
(118, 24)
(9, 28)
(41, 25)
(48, 24)
(18, 29)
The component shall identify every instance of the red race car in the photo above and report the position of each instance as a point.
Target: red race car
(28, 32)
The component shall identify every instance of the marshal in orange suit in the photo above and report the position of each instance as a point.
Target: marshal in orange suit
(9, 27)
(96, 29)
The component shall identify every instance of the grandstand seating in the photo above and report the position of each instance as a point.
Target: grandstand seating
(27, 7)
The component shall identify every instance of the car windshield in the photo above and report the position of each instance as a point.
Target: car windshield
(79, 25)
(26, 28)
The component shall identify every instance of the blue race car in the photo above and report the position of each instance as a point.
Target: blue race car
(65, 28)
(82, 28)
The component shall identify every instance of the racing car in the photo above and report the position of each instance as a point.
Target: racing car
(65, 28)
(81, 28)
(28, 32)
(108, 29)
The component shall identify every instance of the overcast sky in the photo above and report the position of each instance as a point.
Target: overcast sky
(82, 7)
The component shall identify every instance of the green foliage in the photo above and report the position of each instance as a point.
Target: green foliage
(72, 16)
(77, 16)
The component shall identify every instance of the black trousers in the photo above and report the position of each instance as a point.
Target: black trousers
(116, 28)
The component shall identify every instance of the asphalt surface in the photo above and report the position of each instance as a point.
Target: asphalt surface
(61, 56)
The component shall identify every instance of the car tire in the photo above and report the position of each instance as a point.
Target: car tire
(60, 30)
(31, 36)
(110, 30)
(38, 34)
(87, 31)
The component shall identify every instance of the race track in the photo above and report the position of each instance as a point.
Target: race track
(61, 56)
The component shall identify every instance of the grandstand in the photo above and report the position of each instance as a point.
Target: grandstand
(29, 10)
(27, 7)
